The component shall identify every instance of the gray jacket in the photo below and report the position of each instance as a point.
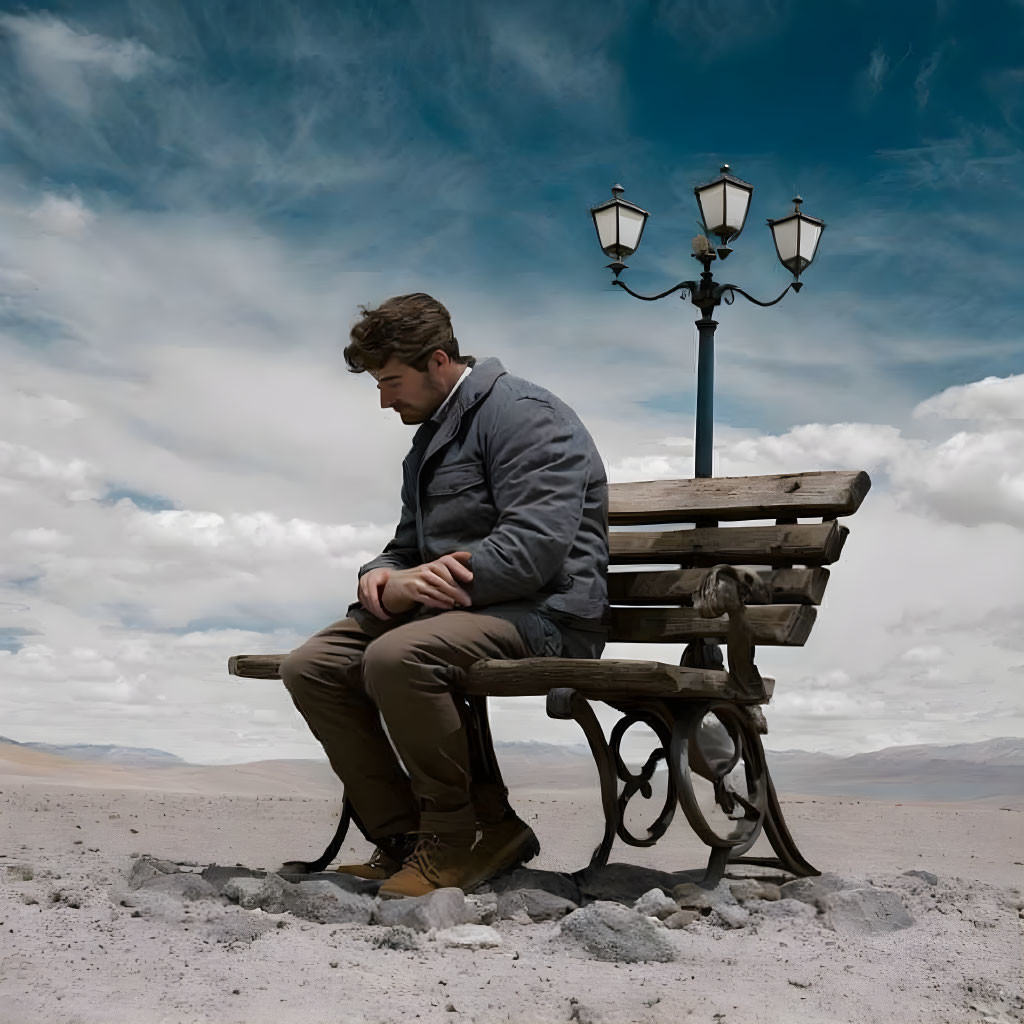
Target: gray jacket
(511, 474)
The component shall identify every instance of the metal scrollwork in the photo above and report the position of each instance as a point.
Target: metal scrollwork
(744, 808)
(640, 782)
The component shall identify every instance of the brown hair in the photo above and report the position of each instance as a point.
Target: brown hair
(410, 327)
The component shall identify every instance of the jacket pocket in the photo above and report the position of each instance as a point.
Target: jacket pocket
(454, 479)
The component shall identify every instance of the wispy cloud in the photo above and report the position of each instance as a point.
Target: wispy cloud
(923, 80)
(65, 61)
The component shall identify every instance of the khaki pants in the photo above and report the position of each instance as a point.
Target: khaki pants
(345, 679)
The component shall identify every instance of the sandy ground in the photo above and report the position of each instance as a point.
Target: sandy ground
(960, 961)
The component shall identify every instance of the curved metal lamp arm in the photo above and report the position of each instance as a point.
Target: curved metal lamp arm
(690, 286)
(795, 285)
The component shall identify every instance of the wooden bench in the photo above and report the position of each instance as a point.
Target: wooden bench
(747, 583)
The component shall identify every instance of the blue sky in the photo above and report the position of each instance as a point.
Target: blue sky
(195, 197)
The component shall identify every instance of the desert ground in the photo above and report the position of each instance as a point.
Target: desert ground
(81, 946)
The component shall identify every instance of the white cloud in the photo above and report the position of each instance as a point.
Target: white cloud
(64, 61)
(58, 216)
(197, 363)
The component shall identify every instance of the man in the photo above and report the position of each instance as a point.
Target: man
(501, 551)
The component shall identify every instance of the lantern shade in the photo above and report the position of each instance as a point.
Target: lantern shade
(724, 204)
(796, 239)
(619, 225)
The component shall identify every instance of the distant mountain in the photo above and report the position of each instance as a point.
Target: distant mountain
(106, 753)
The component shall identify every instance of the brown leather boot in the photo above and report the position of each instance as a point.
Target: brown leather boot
(385, 860)
(437, 862)
(502, 845)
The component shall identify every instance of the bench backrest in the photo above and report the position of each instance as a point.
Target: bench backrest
(653, 604)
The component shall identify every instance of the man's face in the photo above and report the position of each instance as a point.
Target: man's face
(415, 395)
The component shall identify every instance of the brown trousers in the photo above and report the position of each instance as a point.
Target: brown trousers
(345, 679)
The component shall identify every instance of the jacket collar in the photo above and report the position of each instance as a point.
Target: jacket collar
(473, 389)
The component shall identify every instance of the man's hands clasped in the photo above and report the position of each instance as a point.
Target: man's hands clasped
(437, 584)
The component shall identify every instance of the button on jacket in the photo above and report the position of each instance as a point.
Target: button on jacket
(510, 474)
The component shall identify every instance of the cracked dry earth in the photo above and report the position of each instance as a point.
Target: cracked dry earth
(92, 931)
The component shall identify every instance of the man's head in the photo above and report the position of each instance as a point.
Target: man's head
(408, 347)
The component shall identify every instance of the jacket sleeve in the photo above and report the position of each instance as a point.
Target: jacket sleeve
(539, 470)
(403, 550)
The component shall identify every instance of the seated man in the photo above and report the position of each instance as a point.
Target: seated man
(501, 552)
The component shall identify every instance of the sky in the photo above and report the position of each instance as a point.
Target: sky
(196, 198)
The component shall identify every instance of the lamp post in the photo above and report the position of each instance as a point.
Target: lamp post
(724, 204)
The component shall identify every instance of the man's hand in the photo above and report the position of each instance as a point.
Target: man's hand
(433, 584)
(371, 586)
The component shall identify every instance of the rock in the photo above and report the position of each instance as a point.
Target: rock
(610, 931)
(681, 918)
(146, 867)
(218, 874)
(442, 908)
(265, 894)
(625, 883)
(754, 889)
(786, 909)
(553, 882)
(469, 936)
(229, 926)
(18, 873)
(813, 890)
(696, 897)
(730, 916)
(925, 876)
(350, 883)
(483, 907)
(399, 937)
(537, 904)
(183, 885)
(865, 912)
(654, 903)
(583, 1013)
(325, 903)
(29, 899)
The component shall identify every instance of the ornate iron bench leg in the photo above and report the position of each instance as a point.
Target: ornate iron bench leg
(566, 703)
(789, 856)
(309, 867)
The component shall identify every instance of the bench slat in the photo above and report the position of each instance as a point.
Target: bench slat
(602, 680)
(677, 586)
(774, 625)
(800, 495)
(807, 544)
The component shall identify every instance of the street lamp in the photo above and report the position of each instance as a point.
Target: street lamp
(724, 204)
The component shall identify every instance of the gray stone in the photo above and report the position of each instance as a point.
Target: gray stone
(537, 904)
(813, 890)
(145, 868)
(654, 903)
(696, 897)
(265, 894)
(554, 882)
(182, 885)
(231, 926)
(730, 916)
(469, 936)
(625, 883)
(925, 876)
(325, 903)
(483, 907)
(350, 883)
(681, 919)
(18, 873)
(218, 875)
(865, 912)
(610, 931)
(399, 937)
(786, 909)
(442, 908)
(754, 889)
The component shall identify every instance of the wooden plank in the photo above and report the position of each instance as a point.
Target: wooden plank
(788, 495)
(677, 586)
(256, 666)
(808, 544)
(607, 679)
(604, 679)
(773, 625)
